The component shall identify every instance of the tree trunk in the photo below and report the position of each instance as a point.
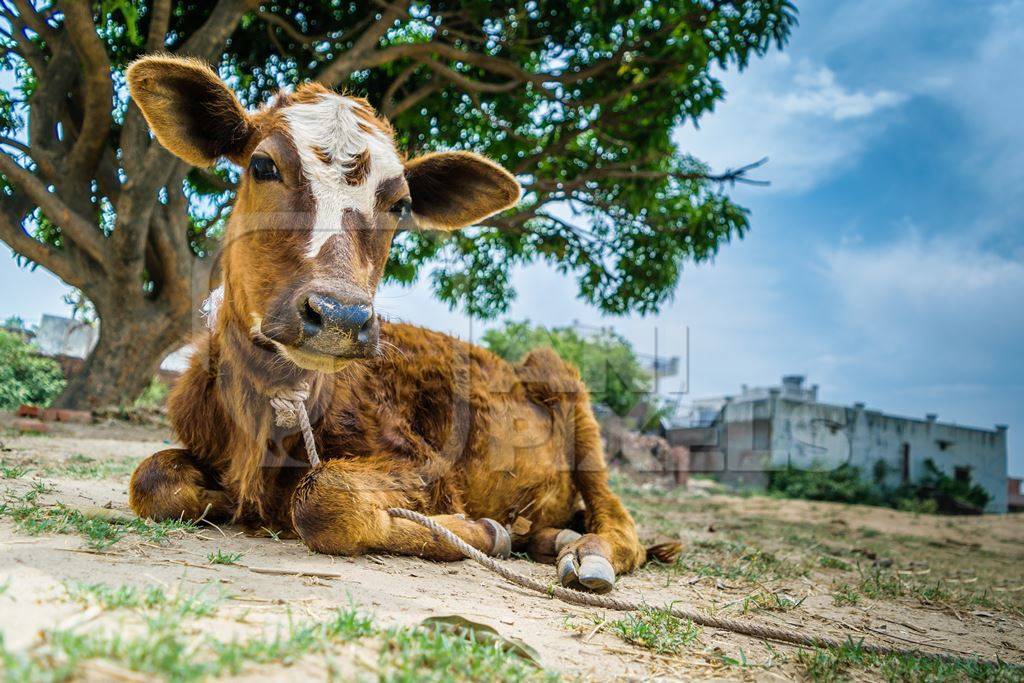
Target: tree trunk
(132, 344)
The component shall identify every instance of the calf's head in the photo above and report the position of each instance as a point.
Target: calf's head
(322, 194)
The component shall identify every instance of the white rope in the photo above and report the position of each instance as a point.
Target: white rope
(290, 412)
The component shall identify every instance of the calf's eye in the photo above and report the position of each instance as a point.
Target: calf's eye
(263, 168)
(402, 208)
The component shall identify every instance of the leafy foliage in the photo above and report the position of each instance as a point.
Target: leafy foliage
(935, 491)
(26, 377)
(950, 495)
(154, 396)
(580, 103)
(609, 367)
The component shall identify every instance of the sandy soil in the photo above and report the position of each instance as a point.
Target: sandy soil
(978, 563)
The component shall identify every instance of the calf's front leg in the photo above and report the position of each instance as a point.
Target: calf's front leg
(340, 508)
(171, 484)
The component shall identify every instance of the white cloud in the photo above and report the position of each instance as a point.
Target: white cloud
(795, 112)
(818, 93)
(939, 303)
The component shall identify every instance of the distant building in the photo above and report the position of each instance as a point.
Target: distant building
(70, 342)
(1014, 495)
(57, 336)
(742, 438)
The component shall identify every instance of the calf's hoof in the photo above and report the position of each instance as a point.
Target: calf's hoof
(596, 574)
(583, 563)
(502, 547)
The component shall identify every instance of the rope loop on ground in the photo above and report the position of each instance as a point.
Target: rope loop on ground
(746, 628)
(290, 411)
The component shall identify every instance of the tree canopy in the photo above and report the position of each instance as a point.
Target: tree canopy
(610, 368)
(579, 99)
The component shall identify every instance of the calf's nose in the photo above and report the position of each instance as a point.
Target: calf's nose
(323, 315)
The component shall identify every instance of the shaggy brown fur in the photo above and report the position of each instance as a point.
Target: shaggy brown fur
(430, 423)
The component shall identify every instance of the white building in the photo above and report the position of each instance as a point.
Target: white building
(742, 438)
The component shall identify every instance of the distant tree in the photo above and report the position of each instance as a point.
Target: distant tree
(14, 322)
(579, 99)
(610, 369)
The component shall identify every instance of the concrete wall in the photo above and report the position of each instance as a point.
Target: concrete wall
(752, 437)
(806, 433)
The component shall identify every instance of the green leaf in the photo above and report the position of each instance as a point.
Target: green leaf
(482, 633)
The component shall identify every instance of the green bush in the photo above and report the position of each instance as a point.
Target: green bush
(841, 485)
(26, 377)
(934, 492)
(950, 495)
(154, 396)
(607, 362)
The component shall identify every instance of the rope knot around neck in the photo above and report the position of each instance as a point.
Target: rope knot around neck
(289, 406)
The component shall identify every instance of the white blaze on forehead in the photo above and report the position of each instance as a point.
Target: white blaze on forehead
(332, 125)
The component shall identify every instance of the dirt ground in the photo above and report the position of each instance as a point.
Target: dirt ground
(869, 573)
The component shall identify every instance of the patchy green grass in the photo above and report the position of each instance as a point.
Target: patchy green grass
(841, 663)
(656, 629)
(428, 654)
(758, 548)
(152, 598)
(844, 595)
(99, 530)
(832, 562)
(167, 650)
(733, 560)
(286, 646)
(9, 470)
(80, 466)
(221, 557)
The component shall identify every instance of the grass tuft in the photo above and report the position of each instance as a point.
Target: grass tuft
(845, 595)
(167, 650)
(100, 532)
(80, 466)
(130, 597)
(221, 557)
(656, 629)
(11, 471)
(429, 654)
(837, 664)
(830, 562)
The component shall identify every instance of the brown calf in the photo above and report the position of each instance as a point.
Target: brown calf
(402, 416)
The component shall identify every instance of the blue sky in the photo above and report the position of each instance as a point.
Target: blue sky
(885, 261)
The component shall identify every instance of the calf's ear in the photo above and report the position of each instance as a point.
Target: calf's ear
(452, 190)
(190, 109)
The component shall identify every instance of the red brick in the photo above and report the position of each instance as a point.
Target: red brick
(29, 411)
(80, 416)
(31, 425)
(50, 415)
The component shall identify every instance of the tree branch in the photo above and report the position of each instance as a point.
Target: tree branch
(15, 144)
(51, 258)
(98, 87)
(413, 98)
(208, 41)
(298, 36)
(27, 50)
(467, 83)
(34, 21)
(341, 68)
(159, 19)
(76, 228)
